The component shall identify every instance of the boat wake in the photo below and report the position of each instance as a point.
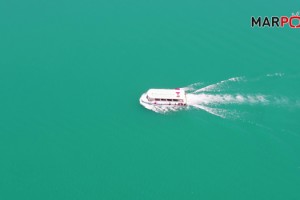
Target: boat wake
(232, 98)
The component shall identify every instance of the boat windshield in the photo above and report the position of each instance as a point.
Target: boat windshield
(149, 99)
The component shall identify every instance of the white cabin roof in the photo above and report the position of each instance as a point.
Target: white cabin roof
(166, 93)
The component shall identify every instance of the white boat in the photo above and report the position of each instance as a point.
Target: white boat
(164, 97)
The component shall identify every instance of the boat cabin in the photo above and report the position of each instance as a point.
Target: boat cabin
(166, 96)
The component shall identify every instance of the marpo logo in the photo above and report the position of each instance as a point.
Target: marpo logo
(293, 21)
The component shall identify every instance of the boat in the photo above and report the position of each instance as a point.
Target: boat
(164, 97)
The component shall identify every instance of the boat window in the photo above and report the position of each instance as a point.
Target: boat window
(175, 99)
(157, 99)
(169, 99)
(163, 99)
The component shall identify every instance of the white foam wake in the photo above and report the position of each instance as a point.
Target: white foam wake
(275, 74)
(192, 87)
(214, 103)
(217, 99)
(219, 85)
(215, 111)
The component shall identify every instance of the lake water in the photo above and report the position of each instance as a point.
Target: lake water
(71, 126)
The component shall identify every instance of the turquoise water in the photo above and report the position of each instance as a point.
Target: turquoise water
(71, 126)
